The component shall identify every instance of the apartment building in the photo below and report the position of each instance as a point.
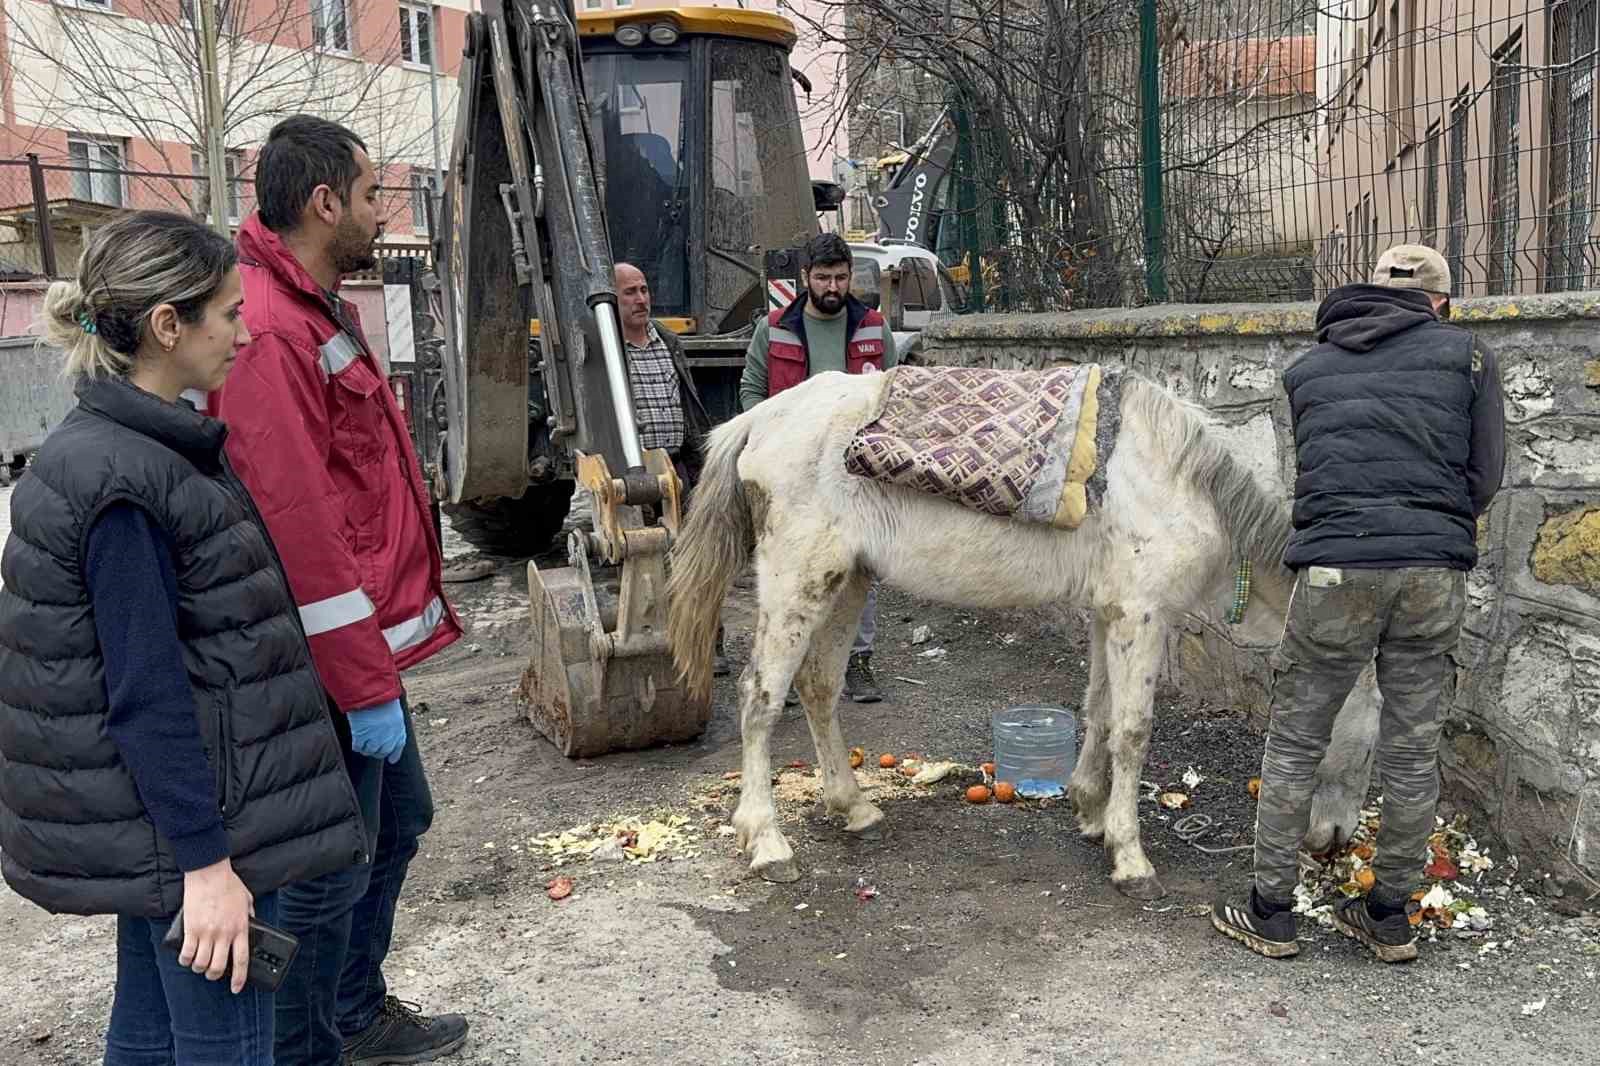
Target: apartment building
(1467, 125)
(101, 93)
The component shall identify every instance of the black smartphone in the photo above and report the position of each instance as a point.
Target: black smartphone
(271, 952)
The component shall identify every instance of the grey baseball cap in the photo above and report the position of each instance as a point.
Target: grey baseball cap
(1413, 266)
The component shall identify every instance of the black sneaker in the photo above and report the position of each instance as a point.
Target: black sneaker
(1392, 939)
(859, 684)
(402, 1035)
(1273, 936)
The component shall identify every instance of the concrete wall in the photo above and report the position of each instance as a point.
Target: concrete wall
(1523, 736)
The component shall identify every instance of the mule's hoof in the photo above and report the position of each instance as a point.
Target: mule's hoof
(777, 871)
(1143, 889)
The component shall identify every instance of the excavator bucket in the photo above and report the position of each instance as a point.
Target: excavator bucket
(601, 676)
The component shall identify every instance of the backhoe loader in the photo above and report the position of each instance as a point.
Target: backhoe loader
(667, 137)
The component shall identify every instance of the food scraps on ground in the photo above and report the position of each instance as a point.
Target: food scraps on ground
(1005, 791)
(988, 768)
(641, 840)
(1442, 904)
(978, 794)
(1254, 788)
(857, 757)
(1174, 801)
(887, 761)
(559, 888)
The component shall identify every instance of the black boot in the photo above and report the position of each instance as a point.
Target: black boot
(859, 684)
(401, 1034)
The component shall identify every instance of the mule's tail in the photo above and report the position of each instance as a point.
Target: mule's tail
(713, 546)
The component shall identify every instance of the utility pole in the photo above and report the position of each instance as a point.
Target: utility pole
(1155, 215)
(211, 93)
(434, 189)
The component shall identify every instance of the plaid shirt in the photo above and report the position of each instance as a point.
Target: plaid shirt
(657, 394)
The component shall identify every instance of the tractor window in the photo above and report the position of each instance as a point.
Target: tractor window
(760, 187)
(636, 102)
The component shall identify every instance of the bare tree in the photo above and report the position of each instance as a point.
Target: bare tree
(142, 75)
(1050, 93)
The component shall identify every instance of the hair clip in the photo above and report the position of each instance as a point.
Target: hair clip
(87, 323)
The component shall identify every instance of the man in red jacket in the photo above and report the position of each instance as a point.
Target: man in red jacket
(318, 440)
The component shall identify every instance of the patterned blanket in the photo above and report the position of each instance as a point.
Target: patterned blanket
(1005, 442)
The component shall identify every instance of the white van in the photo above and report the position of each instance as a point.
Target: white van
(925, 289)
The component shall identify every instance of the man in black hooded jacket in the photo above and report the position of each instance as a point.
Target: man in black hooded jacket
(1399, 428)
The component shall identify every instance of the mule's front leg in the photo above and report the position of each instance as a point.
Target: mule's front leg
(1133, 658)
(818, 683)
(1091, 778)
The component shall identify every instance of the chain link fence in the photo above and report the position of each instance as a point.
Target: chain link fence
(1215, 150)
(77, 196)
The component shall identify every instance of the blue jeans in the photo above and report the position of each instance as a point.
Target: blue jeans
(345, 919)
(166, 1014)
(867, 628)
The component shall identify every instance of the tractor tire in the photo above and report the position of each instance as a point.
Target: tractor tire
(513, 528)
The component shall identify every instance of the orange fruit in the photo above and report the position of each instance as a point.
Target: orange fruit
(1255, 788)
(887, 761)
(988, 768)
(977, 794)
(857, 757)
(1364, 852)
(1366, 878)
(1005, 791)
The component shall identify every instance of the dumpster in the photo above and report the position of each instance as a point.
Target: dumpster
(34, 396)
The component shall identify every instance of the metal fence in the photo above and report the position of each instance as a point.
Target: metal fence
(73, 198)
(1207, 150)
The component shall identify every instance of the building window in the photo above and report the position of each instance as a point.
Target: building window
(1430, 188)
(594, 5)
(1456, 193)
(223, 14)
(1573, 42)
(416, 34)
(622, 3)
(232, 164)
(421, 190)
(99, 177)
(1370, 260)
(330, 25)
(1504, 183)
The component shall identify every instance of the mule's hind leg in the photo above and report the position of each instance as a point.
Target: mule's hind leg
(786, 621)
(1133, 657)
(819, 682)
(1091, 779)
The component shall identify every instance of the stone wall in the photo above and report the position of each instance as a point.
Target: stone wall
(1522, 741)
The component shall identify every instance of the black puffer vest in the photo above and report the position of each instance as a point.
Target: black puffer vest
(74, 835)
(1383, 429)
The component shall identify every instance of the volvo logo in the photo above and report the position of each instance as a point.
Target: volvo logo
(918, 194)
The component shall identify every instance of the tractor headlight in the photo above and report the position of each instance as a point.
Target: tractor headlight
(629, 35)
(663, 33)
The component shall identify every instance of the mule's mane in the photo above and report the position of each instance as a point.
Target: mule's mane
(1256, 521)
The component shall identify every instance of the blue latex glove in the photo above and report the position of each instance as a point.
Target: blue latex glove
(379, 732)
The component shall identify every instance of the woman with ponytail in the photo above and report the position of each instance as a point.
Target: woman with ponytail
(165, 743)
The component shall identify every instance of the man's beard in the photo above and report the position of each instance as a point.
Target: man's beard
(352, 249)
(827, 302)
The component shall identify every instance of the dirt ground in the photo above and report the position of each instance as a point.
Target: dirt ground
(994, 934)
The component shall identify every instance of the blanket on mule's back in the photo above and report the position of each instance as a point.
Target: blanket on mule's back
(1011, 443)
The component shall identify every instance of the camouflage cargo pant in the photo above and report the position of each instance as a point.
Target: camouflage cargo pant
(1337, 619)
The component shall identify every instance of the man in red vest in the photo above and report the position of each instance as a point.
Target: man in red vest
(825, 328)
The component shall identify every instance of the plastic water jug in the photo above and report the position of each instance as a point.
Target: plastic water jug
(1035, 749)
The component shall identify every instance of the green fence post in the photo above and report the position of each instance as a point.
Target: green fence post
(1155, 215)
